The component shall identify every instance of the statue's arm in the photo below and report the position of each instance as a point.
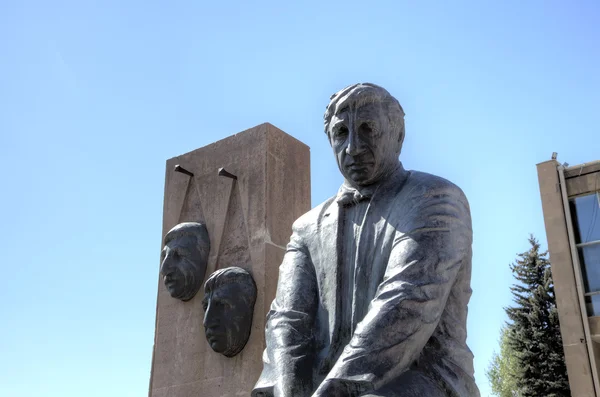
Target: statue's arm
(287, 369)
(409, 302)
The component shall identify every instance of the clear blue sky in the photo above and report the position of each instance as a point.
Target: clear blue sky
(95, 96)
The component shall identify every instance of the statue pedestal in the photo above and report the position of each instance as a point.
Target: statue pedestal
(249, 221)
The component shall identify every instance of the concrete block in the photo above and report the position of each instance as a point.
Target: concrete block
(249, 220)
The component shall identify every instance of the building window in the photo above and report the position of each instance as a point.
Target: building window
(585, 211)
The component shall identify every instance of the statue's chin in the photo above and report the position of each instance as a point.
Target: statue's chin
(174, 292)
(217, 346)
(182, 293)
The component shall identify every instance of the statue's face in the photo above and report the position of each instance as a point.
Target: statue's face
(227, 318)
(183, 266)
(366, 149)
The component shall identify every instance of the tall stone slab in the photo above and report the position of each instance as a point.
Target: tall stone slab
(249, 221)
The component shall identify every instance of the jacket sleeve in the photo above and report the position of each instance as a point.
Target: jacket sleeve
(424, 261)
(288, 356)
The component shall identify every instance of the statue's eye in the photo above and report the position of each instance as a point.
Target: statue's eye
(365, 128)
(341, 132)
(223, 304)
(175, 253)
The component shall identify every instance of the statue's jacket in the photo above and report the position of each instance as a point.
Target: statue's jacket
(411, 288)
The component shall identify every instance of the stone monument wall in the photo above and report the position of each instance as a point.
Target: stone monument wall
(249, 222)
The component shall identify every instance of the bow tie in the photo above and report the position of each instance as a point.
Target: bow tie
(348, 196)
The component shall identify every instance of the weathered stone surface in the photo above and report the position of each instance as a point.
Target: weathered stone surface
(243, 218)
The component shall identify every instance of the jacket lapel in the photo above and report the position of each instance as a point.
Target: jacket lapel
(327, 263)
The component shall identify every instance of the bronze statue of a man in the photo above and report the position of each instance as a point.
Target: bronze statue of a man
(373, 289)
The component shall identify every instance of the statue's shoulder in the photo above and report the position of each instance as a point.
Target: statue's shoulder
(314, 216)
(424, 183)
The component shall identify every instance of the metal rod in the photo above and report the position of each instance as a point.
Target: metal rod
(223, 172)
(179, 168)
(580, 245)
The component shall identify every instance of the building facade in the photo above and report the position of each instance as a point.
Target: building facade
(571, 206)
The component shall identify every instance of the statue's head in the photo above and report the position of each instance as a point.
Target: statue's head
(365, 127)
(229, 297)
(184, 258)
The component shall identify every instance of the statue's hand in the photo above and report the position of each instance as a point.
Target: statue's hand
(340, 388)
(331, 388)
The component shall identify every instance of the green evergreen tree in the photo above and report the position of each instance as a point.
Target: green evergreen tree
(534, 334)
(504, 371)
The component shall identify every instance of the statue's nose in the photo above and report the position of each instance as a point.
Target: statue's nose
(355, 144)
(210, 320)
(167, 265)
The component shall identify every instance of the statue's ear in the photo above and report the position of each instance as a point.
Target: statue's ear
(401, 139)
(328, 134)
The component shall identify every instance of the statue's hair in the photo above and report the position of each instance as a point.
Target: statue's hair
(195, 229)
(360, 94)
(232, 275)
